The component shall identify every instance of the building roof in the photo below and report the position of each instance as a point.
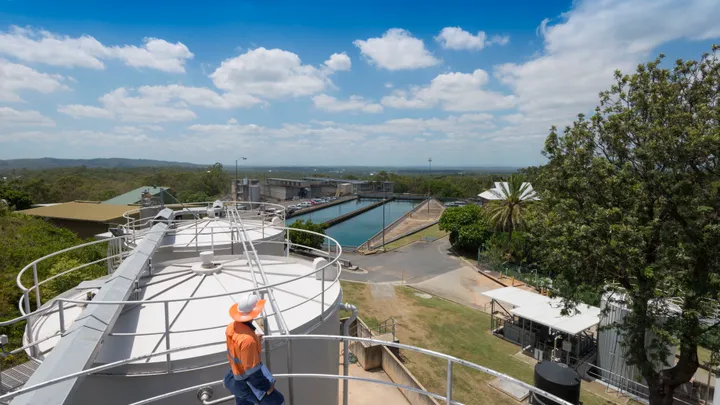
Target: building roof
(498, 192)
(134, 196)
(80, 211)
(545, 310)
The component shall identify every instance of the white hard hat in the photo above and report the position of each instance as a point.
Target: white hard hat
(248, 307)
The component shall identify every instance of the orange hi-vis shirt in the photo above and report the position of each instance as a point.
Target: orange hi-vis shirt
(243, 349)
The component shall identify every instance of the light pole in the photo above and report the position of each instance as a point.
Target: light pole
(236, 174)
(383, 208)
(429, 180)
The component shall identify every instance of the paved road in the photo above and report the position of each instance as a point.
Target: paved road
(418, 261)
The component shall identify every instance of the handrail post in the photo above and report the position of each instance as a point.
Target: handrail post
(212, 239)
(37, 287)
(28, 327)
(448, 389)
(322, 288)
(167, 333)
(196, 236)
(61, 314)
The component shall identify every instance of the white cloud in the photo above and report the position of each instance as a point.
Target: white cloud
(388, 85)
(397, 49)
(354, 103)
(275, 73)
(338, 62)
(15, 77)
(10, 117)
(39, 46)
(452, 92)
(457, 38)
(158, 104)
(84, 111)
(593, 40)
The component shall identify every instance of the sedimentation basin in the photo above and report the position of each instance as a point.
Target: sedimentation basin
(357, 230)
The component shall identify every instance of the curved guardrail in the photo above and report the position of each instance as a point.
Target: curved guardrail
(447, 398)
(61, 304)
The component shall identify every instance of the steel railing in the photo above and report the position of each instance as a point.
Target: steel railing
(60, 304)
(451, 362)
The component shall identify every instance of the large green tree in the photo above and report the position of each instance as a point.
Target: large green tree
(508, 213)
(632, 205)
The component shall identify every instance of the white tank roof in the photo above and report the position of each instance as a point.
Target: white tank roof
(140, 328)
(217, 231)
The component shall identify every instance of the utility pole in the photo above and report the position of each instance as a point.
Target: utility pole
(429, 180)
(236, 178)
(383, 207)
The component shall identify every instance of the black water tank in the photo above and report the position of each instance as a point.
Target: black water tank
(556, 379)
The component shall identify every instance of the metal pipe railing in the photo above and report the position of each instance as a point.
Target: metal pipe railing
(450, 359)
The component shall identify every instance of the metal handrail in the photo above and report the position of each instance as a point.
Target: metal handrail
(450, 359)
(24, 299)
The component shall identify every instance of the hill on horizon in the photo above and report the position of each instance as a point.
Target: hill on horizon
(107, 163)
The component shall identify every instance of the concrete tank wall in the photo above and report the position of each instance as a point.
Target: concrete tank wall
(309, 356)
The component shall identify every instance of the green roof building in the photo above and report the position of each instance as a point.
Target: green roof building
(136, 196)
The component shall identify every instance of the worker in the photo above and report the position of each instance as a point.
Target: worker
(248, 379)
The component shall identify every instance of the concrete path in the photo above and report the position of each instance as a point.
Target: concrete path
(412, 263)
(366, 393)
(463, 285)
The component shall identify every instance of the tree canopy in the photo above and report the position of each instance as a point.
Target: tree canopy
(467, 226)
(508, 214)
(631, 198)
(304, 238)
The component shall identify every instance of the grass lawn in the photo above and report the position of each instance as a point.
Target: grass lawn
(433, 232)
(445, 327)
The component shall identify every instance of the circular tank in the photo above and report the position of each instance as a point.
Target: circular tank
(556, 379)
(213, 228)
(197, 300)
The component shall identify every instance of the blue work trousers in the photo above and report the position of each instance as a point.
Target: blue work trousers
(243, 395)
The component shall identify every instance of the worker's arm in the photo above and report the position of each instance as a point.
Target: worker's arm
(253, 373)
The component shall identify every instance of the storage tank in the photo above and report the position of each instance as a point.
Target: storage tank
(611, 355)
(254, 193)
(187, 305)
(556, 379)
(219, 232)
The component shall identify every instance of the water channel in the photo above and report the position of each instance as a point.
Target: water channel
(357, 230)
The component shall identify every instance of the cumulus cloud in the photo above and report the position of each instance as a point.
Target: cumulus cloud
(452, 92)
(591, 41)
(338, 62)
(457, 38)
(15, 78)
(397, 49)
(10, 117)
(39, 46)
(275, 73)
(157, 104)
(354, 103)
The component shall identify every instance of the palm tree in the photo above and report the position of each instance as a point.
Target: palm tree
(506, 214)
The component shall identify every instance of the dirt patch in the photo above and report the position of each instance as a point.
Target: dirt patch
(382, 291)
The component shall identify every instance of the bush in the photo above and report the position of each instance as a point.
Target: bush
(307, 239)
(467, 226)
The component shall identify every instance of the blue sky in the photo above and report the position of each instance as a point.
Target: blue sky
(321, 83)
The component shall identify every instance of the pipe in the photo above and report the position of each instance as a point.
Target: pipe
(346, 348)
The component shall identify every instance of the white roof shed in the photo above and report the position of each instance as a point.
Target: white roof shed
(546, 311)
